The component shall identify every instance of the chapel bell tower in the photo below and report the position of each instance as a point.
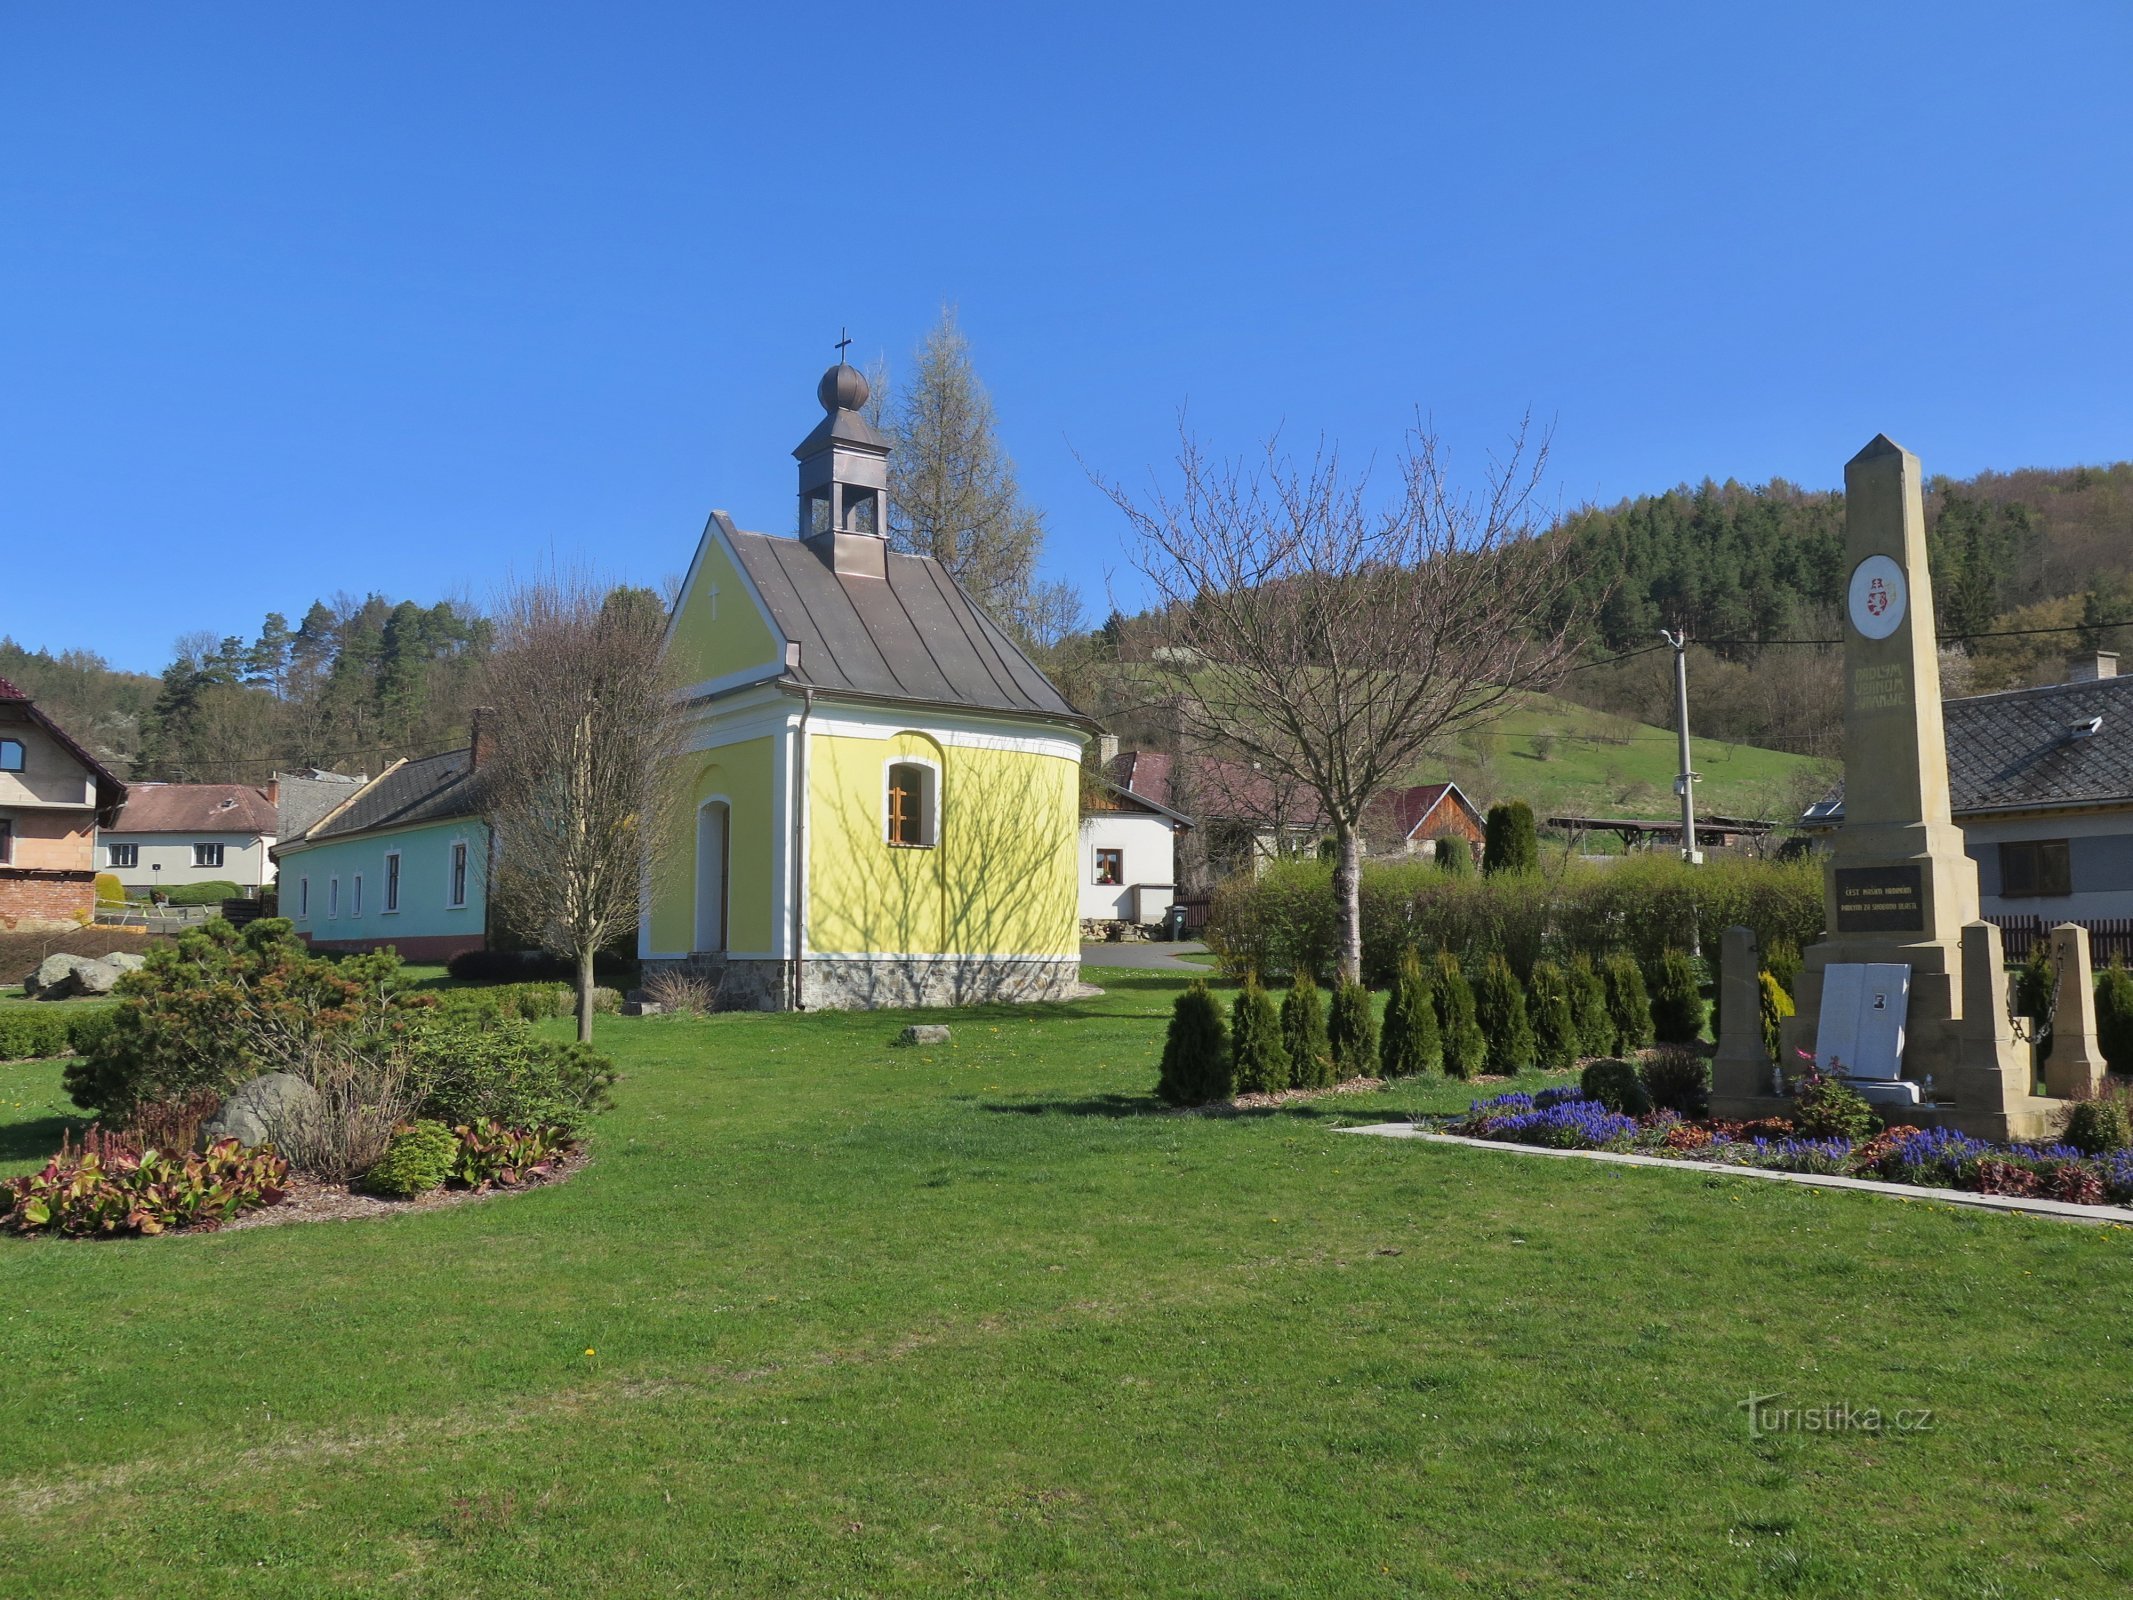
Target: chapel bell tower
(844, 480)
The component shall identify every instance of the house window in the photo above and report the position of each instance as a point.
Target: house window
(2035, 868)
(303, 897)
(1110, 868)
(355, 896)
(333, 897)
(911, 804)
(10, 755)
(7, 841)
(392, 880)
(207, 855)
(458, 886)
(122, 855)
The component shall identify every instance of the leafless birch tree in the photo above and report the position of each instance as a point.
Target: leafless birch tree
(1333, 636)
(579, 735)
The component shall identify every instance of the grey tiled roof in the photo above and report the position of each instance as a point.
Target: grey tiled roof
(305, 799)
(2018, 750)
(433, 789)
(916, 636)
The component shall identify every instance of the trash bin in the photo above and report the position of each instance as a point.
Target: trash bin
(1174, 924)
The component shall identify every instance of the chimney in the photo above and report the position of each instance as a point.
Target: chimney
(273, 790)
(1107, 748)
(479, 739)
(2089, 668)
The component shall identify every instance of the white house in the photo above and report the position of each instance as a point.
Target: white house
(170, 835)
(1128, 856)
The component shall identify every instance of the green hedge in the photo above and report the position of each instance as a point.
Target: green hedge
(1640, 906)
(211, 893)
(46, 1029)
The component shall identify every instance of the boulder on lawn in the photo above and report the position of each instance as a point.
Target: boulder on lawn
(126, 960)
(53, 978)
(923, 1033)
(96, 977)
(257, 1112)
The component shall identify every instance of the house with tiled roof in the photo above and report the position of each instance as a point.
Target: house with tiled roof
(879, 800)
(53, 794)
(401, 860)
(174, 835)
(1424, 819)
(2041, 783)
(1128, 864)
(1242, 817)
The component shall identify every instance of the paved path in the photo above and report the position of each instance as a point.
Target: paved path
(1146, 957)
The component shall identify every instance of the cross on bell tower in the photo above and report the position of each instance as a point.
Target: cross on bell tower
(844, 476)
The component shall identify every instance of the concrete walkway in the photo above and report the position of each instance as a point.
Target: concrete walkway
(2059, 1209)
(1145, 957)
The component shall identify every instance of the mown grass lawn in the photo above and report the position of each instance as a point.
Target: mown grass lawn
(831, 1318)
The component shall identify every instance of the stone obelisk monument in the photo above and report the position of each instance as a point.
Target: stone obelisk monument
(1897, 885)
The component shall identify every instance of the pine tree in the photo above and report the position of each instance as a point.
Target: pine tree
(1677, 1001)
(1511, 843)
(1352, 1028)
(1588, 1008)
(1195, 1066)
(1465, 1049)
(1500, 1009)
(952, 489)
(1303, 1032)
(1410, 1044)
(1629, 1006)
(1555, 1030)
(1259, 1059)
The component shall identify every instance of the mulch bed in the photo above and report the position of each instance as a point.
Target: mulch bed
(311, 1201)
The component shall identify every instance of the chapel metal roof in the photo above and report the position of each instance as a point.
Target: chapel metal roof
(912, 636)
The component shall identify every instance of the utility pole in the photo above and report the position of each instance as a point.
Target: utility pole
(1685, 785)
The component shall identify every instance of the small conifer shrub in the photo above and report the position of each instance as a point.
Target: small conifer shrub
(1511, 844)
(1615, 1085)
(2036, 991)
(1196, 1051)
(1555, 1032)
(1676, 1001)
(1629, 1007)
(2114, 1018)
(1465, 1048)
(1678, 1080)
(1500, 1008)
(418, 1160)
(1259, 1060)
(1588, 1008)
(1353, 1029)
(1776, 1007)
(1455, 858)
(1303, 1033)
(1410, 1044)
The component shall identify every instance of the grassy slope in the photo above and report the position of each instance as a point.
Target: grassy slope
(1609, 766)
(975, 1320)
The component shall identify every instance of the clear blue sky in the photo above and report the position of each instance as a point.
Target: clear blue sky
(297, 299)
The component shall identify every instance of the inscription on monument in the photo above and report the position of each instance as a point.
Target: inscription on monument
(1880, 900)
(1879, 688)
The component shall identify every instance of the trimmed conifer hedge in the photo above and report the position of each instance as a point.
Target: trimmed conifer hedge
(1196, 1067)
(1259, 1060)
(1409, 1043)
(1465, 1050)
(1352, 1028)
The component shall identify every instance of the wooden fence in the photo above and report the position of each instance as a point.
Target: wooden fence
(2110, 938)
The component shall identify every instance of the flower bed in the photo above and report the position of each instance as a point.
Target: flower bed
(1563, 1119)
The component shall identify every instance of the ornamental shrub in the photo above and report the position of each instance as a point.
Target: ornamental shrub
(1500, 1009)
(1195, 1066)
(1676, 1001)
(507, 1073)
(110, 1187)
(2097, 1127)
(2114, 1018)
(211, 893)
(1588, 1008)
(1615, 1085)
(1259, 1061)
(1410, 1044)
(490, 1153)
(1511, 844)
(109, 891)
(1629, 1009)
(1824, 1107)
(1776, 1007)
(203, 1012)
(1352, 1029)
(1455, 858)
(1781, 959)
(1464, 1046)
(1678, 1080)
(1303, 1034)
(32, 1033)
(418, 1160)
(1555, 1033)
(2035, 987)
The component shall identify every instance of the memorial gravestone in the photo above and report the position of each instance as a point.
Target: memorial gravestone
(1898, 889)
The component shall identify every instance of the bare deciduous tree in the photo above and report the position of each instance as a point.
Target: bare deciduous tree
(1332, 639)
(580, 732)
